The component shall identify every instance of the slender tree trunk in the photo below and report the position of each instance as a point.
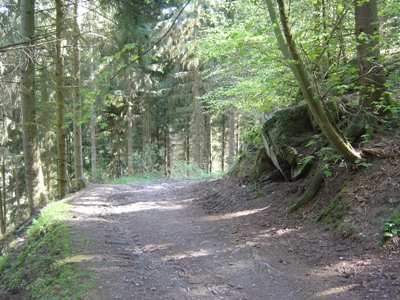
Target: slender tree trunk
(314, 104)
(17, 190)
(61, 143)
(3, 169)
(93, 118)
(3, 200)
(186, 142)
(93, 153)
(129, 133)
(283, 46)
(197, 117)
(372, 76)
(223, 143)
(207, 142)
(167, 150)
(77, 128)
(2, 219)
(47, 136)
(33, 170)
(231, 151)
(148, 122)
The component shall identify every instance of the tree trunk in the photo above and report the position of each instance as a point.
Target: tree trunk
(197, 117)
(207, 142)
(3, 170)
(167, 150)
(372, 76)
(47, 136)
(61, 146)
(231, 151)
(33, 170)
(283, 46)
(313, 102)
(3, 201)
(129, 133)
(223, 143)
(148, 122)
(186, 142)
(17, 191)
(77, 128)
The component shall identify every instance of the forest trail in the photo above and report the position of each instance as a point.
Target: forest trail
(156, 241)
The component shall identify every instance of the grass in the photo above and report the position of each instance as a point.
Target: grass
(37, 265)
(137, 178)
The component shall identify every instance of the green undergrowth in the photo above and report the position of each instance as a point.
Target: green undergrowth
(36, 264)
(391, 228)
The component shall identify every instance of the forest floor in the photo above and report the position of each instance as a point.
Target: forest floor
(222, 239)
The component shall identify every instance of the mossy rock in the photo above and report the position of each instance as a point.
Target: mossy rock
(287, 133)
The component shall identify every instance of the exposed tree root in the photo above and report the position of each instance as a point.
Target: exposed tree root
(310, 191)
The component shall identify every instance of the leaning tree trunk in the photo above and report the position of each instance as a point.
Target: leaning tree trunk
(77, 128)
(61, 146)
(313, 102)
(33, 170)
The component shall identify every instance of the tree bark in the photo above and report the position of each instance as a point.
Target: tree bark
(33, 170)
(371, 74)
(77, 128)
(61, 144)
(313, 101)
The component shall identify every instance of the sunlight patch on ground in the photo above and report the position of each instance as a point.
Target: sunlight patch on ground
(154, 247)
(148, 205)
(183, 255)
(234, 214)
(281, 232)
(335, 290)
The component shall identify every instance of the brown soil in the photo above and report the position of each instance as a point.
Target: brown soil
(220, 239)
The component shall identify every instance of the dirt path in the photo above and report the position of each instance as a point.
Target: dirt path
(154, 241)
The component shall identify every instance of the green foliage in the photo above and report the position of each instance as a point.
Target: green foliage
(38, 264)
(391, 228)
